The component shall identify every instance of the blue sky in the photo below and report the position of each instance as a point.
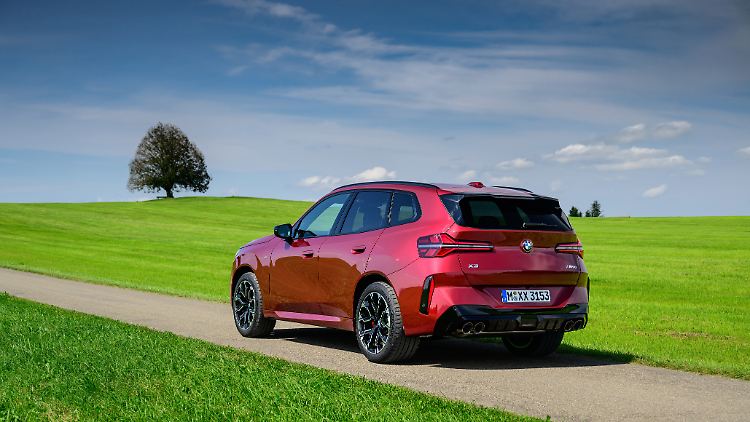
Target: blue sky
(642, 105)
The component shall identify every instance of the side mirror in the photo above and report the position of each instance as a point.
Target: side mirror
(283, 231)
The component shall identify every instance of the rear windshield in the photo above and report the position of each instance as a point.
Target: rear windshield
(503, 213)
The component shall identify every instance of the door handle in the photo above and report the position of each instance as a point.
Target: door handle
(307, 254)
(359, 249)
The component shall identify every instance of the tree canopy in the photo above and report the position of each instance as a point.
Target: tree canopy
(166, 159)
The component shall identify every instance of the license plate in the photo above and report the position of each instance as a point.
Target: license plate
(526, 296)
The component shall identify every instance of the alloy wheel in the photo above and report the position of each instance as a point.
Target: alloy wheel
(374, 322)
(244, 304)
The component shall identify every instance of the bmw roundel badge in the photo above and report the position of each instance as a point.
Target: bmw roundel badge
(527, 245)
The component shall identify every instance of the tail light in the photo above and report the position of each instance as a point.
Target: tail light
(574, 248)
(437, 245)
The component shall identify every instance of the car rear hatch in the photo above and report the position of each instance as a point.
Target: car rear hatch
(524, 234)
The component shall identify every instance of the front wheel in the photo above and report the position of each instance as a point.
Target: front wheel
(534, 345)
(247, 307)
(379, 327)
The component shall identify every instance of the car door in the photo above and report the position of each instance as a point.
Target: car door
(343, 258)
(294, 263)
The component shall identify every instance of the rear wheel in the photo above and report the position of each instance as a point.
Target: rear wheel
(379, 327)
(534, 345)
(247, 307)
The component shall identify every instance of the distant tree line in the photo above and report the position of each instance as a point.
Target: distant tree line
(594, 211)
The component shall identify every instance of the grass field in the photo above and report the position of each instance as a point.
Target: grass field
(671, 292)
(60, 365)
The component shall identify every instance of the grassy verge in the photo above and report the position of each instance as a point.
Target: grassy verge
(181, 247)
(671, 292)
(62, 365)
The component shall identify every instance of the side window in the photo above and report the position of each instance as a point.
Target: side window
(369, 211)
(321, 219)
(404, 208)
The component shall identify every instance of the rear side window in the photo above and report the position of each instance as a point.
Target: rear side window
(404, 208)
(369, 211)
(502, 213)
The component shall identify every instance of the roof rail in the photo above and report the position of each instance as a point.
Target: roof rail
(513, 188)
(389, 182)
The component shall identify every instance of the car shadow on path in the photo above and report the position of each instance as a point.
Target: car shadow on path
(456, 353)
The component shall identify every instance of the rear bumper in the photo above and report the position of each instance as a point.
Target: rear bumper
(465, 320)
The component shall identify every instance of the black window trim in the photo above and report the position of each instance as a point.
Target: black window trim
(342, 217)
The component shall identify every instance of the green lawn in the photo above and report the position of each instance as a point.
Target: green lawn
(62, 365)
(671, 292)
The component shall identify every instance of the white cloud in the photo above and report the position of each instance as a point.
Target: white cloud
(372, 174)
(664, 130)
(468, 175)
(646, 163)
(744, 151)
(369, 175)
(669, 130)
(591, 152)
(320, 181)
(504, 180)
(614, 158)
(632, 133)
(514, 164)
(279, 10)
(655, 191)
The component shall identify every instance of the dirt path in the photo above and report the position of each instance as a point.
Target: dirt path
(566, 387)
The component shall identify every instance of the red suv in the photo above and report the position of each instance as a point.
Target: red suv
(397, 261)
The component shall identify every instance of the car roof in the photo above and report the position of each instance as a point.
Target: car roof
(444, 188)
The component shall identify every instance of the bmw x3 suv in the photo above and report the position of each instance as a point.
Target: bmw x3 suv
(395, 262)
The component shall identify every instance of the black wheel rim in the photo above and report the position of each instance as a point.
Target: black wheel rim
(373, 322)
(244, 304)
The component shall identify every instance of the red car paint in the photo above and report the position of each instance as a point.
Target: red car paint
(316, 280)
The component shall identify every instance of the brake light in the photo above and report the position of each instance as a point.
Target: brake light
(574, 248)
(477, 185)
(437, 245)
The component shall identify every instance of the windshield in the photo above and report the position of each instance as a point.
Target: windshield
(504, 213)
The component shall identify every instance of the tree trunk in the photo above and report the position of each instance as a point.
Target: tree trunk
(169, 192)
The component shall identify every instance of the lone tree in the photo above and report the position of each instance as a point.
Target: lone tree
(574, 212)
(595, 210)
(166, 159)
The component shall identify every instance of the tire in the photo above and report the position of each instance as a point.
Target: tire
(247, 308)
(533, 345)
(381, 337)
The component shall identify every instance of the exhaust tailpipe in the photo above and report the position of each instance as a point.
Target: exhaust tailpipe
(478, 327)
(569, 325)
(578, 324)
(468, 328)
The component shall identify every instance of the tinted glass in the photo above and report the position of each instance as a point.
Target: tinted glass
(321, 219)
(488, 212)
(404, 208)
(369, 211)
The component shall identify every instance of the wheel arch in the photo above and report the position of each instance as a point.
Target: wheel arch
(238, 272)
(362, 284)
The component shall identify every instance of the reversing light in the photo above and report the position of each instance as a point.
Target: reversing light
(437, 245)
(574, 248)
